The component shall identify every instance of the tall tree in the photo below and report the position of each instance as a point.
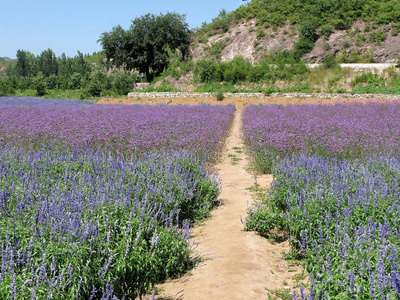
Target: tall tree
(80, 64)
(144, 46)
(65, 65)
(48, 64)
(26, 64)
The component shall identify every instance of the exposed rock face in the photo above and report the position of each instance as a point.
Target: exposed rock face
(241, 39)
(358, 39)
(244, 39)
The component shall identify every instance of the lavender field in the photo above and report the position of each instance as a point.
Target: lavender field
(340, 130)
(343, 221)
(335, 193)
(96, 202)
(126, 130)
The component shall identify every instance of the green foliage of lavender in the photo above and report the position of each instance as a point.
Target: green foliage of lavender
(345, 131)
(90, 225)
(343, 219)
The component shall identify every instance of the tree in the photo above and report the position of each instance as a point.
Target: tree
(48, 64)
(26, 64)
(80, 64)
(65, 66)
(144, 45)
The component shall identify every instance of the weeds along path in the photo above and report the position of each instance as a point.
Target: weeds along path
(234, 264)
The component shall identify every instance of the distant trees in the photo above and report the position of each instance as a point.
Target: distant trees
(144, 46)
(26, 64)
(46, 72)
(47, 63)
(29, 65)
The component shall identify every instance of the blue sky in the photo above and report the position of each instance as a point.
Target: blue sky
(69, 26)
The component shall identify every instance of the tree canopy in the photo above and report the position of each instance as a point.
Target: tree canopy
(144, 46)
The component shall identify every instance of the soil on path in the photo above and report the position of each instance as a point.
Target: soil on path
(234, 264)
(239, 102)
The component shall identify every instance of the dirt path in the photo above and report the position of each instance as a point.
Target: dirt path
(234, 264)
(241, 102)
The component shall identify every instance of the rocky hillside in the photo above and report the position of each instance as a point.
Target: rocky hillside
(263, 26)
(5, 62)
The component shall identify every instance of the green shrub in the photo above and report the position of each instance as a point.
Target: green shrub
(52, 82)
(327, 29)
(326, 46)
(121, 82)
(26, 83)
(271, 89)
(308, 29)
(340, 24)
(219, 96)
(341, 90)
(40, 85)
(74, 82)
(395, 29)
(302, 47)
(360, 40)
(216, 49)
(6, 88)
(377, 37)
(98, 83)
(330, 61)
(368, 78)
(260, 33)
(207, 71)
(202, 39)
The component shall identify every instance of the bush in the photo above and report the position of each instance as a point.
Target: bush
(377, 37)
(98, 83)
(74, 82)
(219, 96)
(121, 82)
(302, 47)
(6, 88)
(26, 83)
(207, 71)
(340, 24)
(40, 85)
(260, 33)
(52, 82)
(326, 46)
(307, 29)
(271, 89)
(368, 78)
(326, 29)
(330, 61)
(346, 44)
(395, 29)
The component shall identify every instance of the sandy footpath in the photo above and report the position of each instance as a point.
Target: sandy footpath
(234, 264)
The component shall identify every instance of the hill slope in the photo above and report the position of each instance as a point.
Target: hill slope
(353, 30)
(5, 62)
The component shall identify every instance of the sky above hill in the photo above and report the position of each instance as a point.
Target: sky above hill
(69, 26)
